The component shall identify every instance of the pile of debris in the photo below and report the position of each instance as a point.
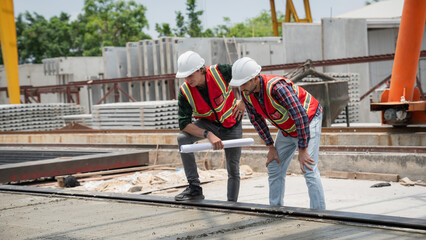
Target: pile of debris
(146, 182)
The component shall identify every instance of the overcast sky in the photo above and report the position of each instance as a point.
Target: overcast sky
(163, 11)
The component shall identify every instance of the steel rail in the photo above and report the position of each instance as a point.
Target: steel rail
(338, 217)
(383, 129)
(324, 148)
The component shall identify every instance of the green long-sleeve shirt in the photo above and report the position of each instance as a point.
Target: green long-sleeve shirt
(185, 110)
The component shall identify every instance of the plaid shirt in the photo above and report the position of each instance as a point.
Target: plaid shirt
(284, 94)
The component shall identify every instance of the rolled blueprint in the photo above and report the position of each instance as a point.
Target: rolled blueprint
(226, 144)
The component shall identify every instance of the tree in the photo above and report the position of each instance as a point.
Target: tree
(164, 30)
(259, 26)
(194, 25)
(180, 29)
(110, 23)
(38, 38)
(371, 2)
(102, 23)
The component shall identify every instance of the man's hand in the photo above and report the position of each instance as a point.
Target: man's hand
(239, 109)
(215, 141)
(272, 155)
(305, 160)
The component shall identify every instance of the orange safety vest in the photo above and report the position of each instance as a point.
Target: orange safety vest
(278, 114)
(221, 97)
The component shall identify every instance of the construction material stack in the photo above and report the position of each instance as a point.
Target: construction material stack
(35, 117)
(136, 115)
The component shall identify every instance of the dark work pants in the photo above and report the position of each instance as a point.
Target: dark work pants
(232, 156)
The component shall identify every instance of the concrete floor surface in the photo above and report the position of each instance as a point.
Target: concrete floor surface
(340, 195)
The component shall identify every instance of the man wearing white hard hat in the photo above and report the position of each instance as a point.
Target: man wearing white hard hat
(298, 116)
(207, 96)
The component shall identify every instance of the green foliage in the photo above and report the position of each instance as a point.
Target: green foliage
(110, 23)
(371, 2)
(194, 25)
(114, 23)
(38, 38)
(102, 23)
(181, 29)
(259, 26)
(164, 30)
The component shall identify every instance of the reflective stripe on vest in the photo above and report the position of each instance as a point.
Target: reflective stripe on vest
(220, 108)
(277, 106)
(282, 119)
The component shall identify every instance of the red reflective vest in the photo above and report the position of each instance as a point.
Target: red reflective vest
(278, 114)
(221, 97)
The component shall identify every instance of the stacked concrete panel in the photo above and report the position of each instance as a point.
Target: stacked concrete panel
(83, 119)
(35, 117)
(136, 115)
(159, 56)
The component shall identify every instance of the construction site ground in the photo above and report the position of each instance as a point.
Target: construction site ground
(349, 195)
(24, 216)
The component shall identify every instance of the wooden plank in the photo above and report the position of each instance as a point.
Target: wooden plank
(377, 176)
(340, 175)
(363, 176)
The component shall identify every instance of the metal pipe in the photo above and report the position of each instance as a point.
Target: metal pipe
(407, 51)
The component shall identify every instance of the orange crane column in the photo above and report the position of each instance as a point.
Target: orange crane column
(407, 51)
(9, 50)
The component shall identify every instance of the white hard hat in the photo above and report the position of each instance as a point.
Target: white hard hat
(188, 63)
(243, 70)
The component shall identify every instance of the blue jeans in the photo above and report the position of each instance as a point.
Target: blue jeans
(286, 146)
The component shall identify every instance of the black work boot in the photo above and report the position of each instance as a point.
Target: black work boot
(192, 192)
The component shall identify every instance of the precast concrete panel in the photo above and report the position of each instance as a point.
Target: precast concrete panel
(302, 41)
(169, 61)
(133, 69)
(82, 69)
(109, 55)
(148, 54)
(198, 45)
(121, 66)
(344, 38)
(221, 53)
(164, 61)
(277, 56)
(259, 52)
(141, 58)
(157, 66)
(380, 41)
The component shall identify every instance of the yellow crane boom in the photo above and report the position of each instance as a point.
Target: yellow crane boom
(290, 13)
(9, 50)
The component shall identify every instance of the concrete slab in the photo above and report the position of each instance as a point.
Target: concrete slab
(340, 194)
(74, 218)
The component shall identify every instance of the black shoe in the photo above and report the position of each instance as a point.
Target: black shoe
(190, 193)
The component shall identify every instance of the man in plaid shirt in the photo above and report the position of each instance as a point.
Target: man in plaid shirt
(298, 116)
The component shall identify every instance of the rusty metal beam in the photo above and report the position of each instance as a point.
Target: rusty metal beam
(29, 170)
(319, 63)
(341, 61)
